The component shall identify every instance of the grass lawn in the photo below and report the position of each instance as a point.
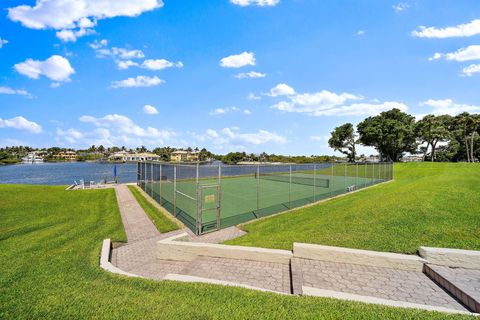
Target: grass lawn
(158, 218)
(50, 241)
(429, 204)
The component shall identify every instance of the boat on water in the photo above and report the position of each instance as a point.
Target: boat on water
(32, 158)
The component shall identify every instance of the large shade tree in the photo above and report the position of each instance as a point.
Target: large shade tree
(432, 130)
(343, 139)
(392, 133)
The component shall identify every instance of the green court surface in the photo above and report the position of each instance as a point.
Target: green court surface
(237, 199)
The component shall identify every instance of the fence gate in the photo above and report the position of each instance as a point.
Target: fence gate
(209, 208)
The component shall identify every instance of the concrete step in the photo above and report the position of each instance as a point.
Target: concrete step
(461, 283)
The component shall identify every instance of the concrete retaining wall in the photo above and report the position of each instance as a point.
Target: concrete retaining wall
(355, 256)
(175, 249)
(451, 257)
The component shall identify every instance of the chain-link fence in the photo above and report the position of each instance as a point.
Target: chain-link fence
(210, 197)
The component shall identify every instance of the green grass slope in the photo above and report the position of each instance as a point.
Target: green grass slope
(50, 241)
(163, 223)
(430, 204)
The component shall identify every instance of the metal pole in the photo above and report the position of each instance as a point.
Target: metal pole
(345, 179)
(145, 177)
(331, 179)
(160, 191)
(197, 227)
(365, 176)
(138, 174)
(290, 189)
(258, 187)
(175, 191)
(356, 175)
(151, 177)
(219, 192)
(314, 181)
(373, 173)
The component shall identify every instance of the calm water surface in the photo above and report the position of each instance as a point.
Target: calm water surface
(64, 173)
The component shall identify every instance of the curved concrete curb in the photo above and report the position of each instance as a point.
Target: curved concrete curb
(185, 278)
(105, 260)
(309, 291)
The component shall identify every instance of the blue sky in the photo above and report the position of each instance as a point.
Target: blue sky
(252, 75)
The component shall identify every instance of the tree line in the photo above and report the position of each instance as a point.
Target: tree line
(394, 133)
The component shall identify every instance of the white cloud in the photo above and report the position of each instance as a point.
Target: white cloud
(149, 109)
(115, 129)
(448, 106)
(138, 81)
(260, 3)
(464, 54)
(160, 64)
(326, 103)
(399, 7)
(77, 16)
(462, 30)
(220, 111)
(246, 111)
(125, 64)
(252, 96)
(70, 135)
(231, 137)
(281, 89)
(251, 74)
(238, 60)
(8, 90)
(103, 51)
(319, 138)
(471, 69)
(56, 68)
(20, 123)
(67, 35)
(360, 32)
(2, 42)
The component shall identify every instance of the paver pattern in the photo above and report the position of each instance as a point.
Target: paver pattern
(267, 275)
(385, 283)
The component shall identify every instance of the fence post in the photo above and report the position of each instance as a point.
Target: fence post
(314, 182)
(197, 227)
(175, 191)
(290, 189)
(160, 182)
(356, 175)
(331, 179)
(373, 173)
(219, 204)
(151, 177)
(258, 187)
(145, 177)
(365, 176)
(138, 174)
(345, 178)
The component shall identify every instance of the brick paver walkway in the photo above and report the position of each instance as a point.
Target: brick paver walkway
(135, 221)
(385, 283)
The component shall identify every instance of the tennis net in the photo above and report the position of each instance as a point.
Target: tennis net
(283, 177)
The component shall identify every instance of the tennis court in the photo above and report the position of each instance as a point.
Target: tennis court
(210, 197)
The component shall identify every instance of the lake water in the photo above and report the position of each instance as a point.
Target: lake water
(64, 173)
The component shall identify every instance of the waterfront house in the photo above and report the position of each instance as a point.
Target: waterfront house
(125, 156)
(184, 156)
